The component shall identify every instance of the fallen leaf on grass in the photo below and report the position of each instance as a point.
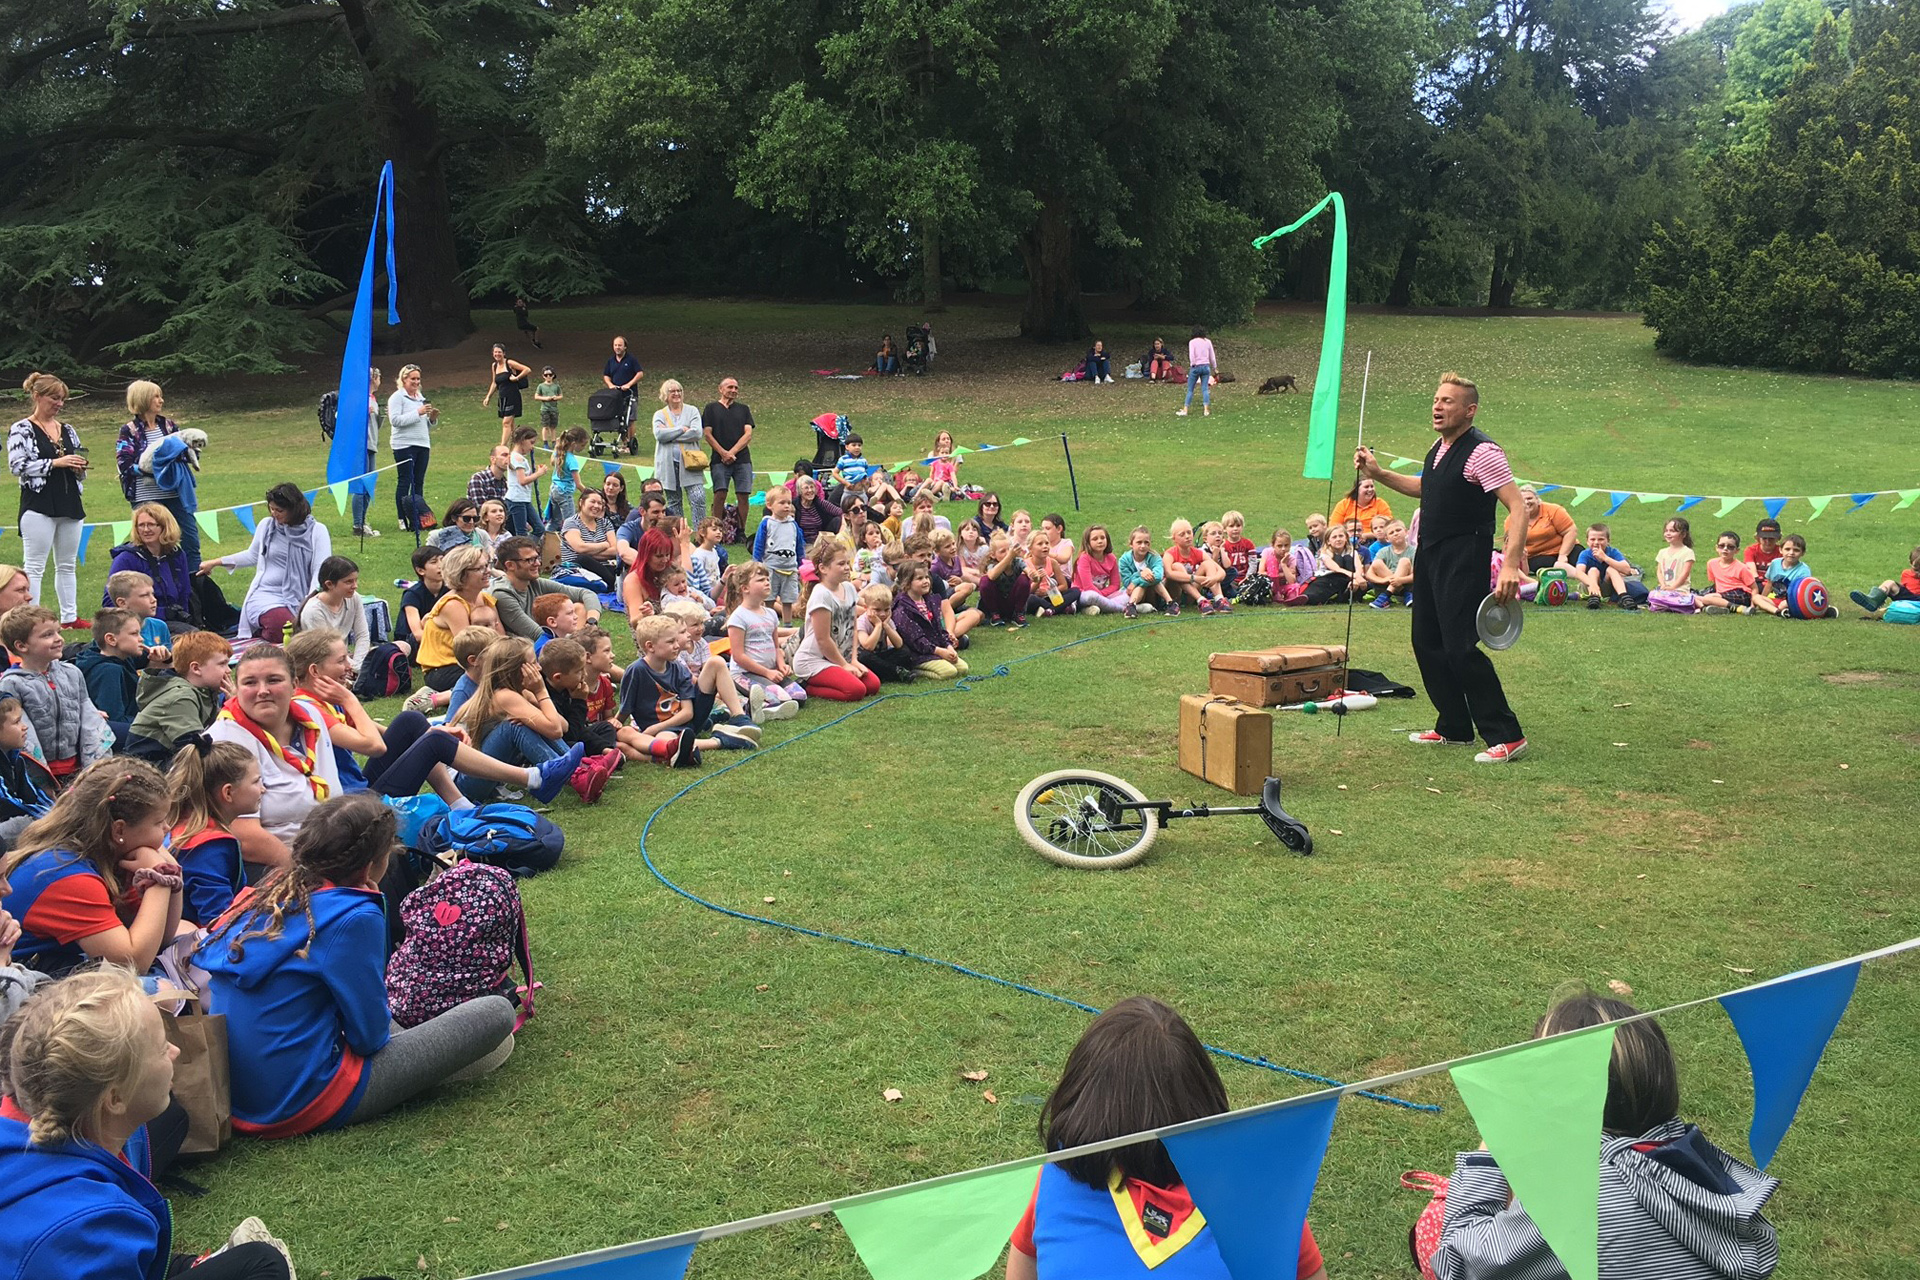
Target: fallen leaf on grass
(787, 873)
(1641, 876)
(422, 1264)
(1843, 766)
(1619, 744)
(1719, 782)
(500, 1226)
(1732, 969)
(1437, 791)
(975, 1076)
(768, 899)
(449, 1219)
(1341, 787)
(1332, 832)
(891, 1095)
(988, 1095)
(761, 987)
(1618, 705)
(1618, 987)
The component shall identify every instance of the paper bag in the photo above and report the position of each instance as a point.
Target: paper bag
(202, 1083)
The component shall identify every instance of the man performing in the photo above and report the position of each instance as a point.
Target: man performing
(1465, 474)
(622, 374)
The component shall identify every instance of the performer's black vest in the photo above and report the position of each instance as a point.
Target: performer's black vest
(1452, 506)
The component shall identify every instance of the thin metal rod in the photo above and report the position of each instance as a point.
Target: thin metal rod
(1070, 480)
(1366, 376)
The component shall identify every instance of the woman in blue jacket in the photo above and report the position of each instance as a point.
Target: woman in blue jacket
(87, 1065)
(298, 967)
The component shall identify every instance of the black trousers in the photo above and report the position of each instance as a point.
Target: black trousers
(1460, 679)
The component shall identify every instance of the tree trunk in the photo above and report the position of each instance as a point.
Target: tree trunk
(1400, 292)
(1506, 274)
(1053, 288)
(930, 265)
(435, 310)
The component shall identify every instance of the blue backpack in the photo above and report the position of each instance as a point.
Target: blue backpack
(502, 835)
(1907, 611)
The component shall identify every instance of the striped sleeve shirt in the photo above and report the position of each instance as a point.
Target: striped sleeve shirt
(1486, 465)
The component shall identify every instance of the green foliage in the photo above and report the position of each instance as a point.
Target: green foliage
(1806, 256)
(1774, 44)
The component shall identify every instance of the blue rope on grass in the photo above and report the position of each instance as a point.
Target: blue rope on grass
(963, 685)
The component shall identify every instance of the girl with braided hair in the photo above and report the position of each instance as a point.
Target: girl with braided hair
(298, 966)
(86, 1067)
(88, 880)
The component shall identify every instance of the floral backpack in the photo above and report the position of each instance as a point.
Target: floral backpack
(465, 931)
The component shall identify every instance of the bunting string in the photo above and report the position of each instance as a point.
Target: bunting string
(681, 1243)
(1618, 498)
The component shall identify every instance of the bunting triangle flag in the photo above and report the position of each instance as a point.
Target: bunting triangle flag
(1820, 505)
(1400, 464)
(960, 448)
(1727, 505)
(1539, 1108)
(1619, 500)
(1784, 1027)
(1907, 498)
(1860, 500)
(1774, 506)
(122, 530)
(209, 522)
(245, 516)
(955, 1231)
(313, 496)
(1253, 1179)
(339, 491)
(777, 477)
(1581, 495)
(1653, 497)
(1545, 488)
(1691, 501)
(86, 536)
(646, 473)
(985, 448)
(661, 1264)
(1020, 440)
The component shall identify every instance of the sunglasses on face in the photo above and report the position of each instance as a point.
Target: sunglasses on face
(468, 518)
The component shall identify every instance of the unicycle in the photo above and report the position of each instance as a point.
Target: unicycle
(1081, 818)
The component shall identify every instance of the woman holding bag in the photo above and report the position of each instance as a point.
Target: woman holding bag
(506, 377)
(678, 462)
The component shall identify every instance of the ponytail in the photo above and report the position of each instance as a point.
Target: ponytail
(199, 771)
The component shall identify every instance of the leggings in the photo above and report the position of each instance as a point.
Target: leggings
(413, 749)
(1005, 597)
(409, 484)
(256, 1260)
(1328, 588)
(1115, 603)
(43, 535)
(1069, 601)
(421, 1057)
(837, 684)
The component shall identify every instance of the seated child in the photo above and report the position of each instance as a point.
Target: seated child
(712, 676)
(1391, 569)
(1213, 545)
(1190, 575)
(558, 616)
(1145, 577)
(881, 649)
(755, 655)
(659, 699)
(417, 601)
(603, 703)
(1341, 575)
(1050, 590)
(1316, 534)
(869, 558)
(21, 799)
(111, 665)
(1004, 585)
(1054, 525)
(1126, 1212)
(1606, 573)
(1731, 578)
(1288, 567)
(957, 620)
(1783, 573)
(470, 647)
(917, 621)
(1357, 542)
(511, 718)
(1765, 548)
(1239, 548)
(1673, 563)
(65, 733)
(1905, 587)
(185, 703)
(1377, 535)
(1096, 574)
(675, 585)
(87, 881)
(210, 784)
(337, 607)
(563, 665)
(132, 590)
(704, 562)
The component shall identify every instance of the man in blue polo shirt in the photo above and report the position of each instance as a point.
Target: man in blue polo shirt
(622, 374)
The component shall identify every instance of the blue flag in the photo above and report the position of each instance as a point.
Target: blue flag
(661, 1264)
(1253, 1179)
(86, 536)
(245, 516)
(1690, 502)
(1784, 1027)
(1619, 500)
(1860, 500)
(348, 457)
(1774, 506)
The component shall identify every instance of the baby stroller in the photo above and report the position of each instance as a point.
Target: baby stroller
(915, 359)
(833, 430)
(610, 414)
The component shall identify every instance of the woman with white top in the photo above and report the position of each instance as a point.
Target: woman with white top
(287, 549)
(675, 428)
(410, 422)
(45, 453)
(1200, 365)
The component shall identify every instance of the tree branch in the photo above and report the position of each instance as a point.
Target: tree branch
(232, 24)
(246, 143)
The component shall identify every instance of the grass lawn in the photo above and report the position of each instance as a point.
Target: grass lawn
(1706, 798)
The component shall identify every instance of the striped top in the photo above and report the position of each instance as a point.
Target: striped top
(1672, 1207)
(1487, 465)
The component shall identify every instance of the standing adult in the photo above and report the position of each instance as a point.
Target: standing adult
(1550, 533)
(411, 418)
(147, 424)
(1465, 475)
(676, 427)
(728, 424)
(363, 492)
(1201, 359)
(156, 549)
(524, 322)
(505, 378)
(622, 374)
(45, 453)
(286, 552)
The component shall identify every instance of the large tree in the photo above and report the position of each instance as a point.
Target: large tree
(188, 181)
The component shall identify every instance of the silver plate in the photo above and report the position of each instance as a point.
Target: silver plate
(1498, 624)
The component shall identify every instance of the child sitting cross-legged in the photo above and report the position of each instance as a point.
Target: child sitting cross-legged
(1730, 578)
(511, 718)
(1050, 591)
(1606, 573)
(210, 784)
(111, 665)
(1341, 575)
(1219, 566)
(563, 665)
(711, 674)
(185, 703)
(1783, 573)
(337, 607)
(1186, 567)
(754, 650)
(21, 799)
(132, 590)
(1391, 569)
(917, 621)
(1905, 587)
(601, 696)
(1096, 574)
(65, 733)
(1288, 567)
(1145, 576)
(877, 639)
(659, 699)
(1004, 585)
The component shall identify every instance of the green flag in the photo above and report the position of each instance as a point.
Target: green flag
(339, 491)
(1907, 497)
(1539, 1108)
(1727, 505)
(1653, 497)
(1021, 440)
(956, 1231)
(122, 530)
(1820, 505)
(1400, 463)
(1323, 418)
(1581, 495)
(209, 522)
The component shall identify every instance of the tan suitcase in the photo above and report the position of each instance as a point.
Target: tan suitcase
(1227, 743)
(1279, 677)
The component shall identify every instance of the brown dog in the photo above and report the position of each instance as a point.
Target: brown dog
(1284, 382)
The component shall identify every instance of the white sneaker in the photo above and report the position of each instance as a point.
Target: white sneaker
(1179, 413)
(778, 711)
(756, 700)
(1143, 607)
(254, 1231)
(1090, 610)
(420, 700)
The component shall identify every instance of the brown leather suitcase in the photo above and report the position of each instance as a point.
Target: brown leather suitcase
(1279, 677)
(1226, 743)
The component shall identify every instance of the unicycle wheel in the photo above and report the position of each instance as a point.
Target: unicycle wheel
(1073, 817)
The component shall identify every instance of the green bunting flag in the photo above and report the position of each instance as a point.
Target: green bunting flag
(1581, 495)
(1539, 1108)
(646, 473)
(1021, 440)
(1399, 464)
(122, 530)
(209, 522)
(339, 491)
(1323, 418)
(1727, 505)
(1907, 497)
(955, 1231)
(1654, 497)
(777, 477)
(1820, 505)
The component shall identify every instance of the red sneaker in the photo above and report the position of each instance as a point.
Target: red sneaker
(589, 780)
(1434, 738)
(1501, 754)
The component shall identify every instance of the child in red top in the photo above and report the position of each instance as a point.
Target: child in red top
(1766, 547)
(1127, 1212)
(1190, 575)
(1239, 548)
(1731, 578)
(1905, 587)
